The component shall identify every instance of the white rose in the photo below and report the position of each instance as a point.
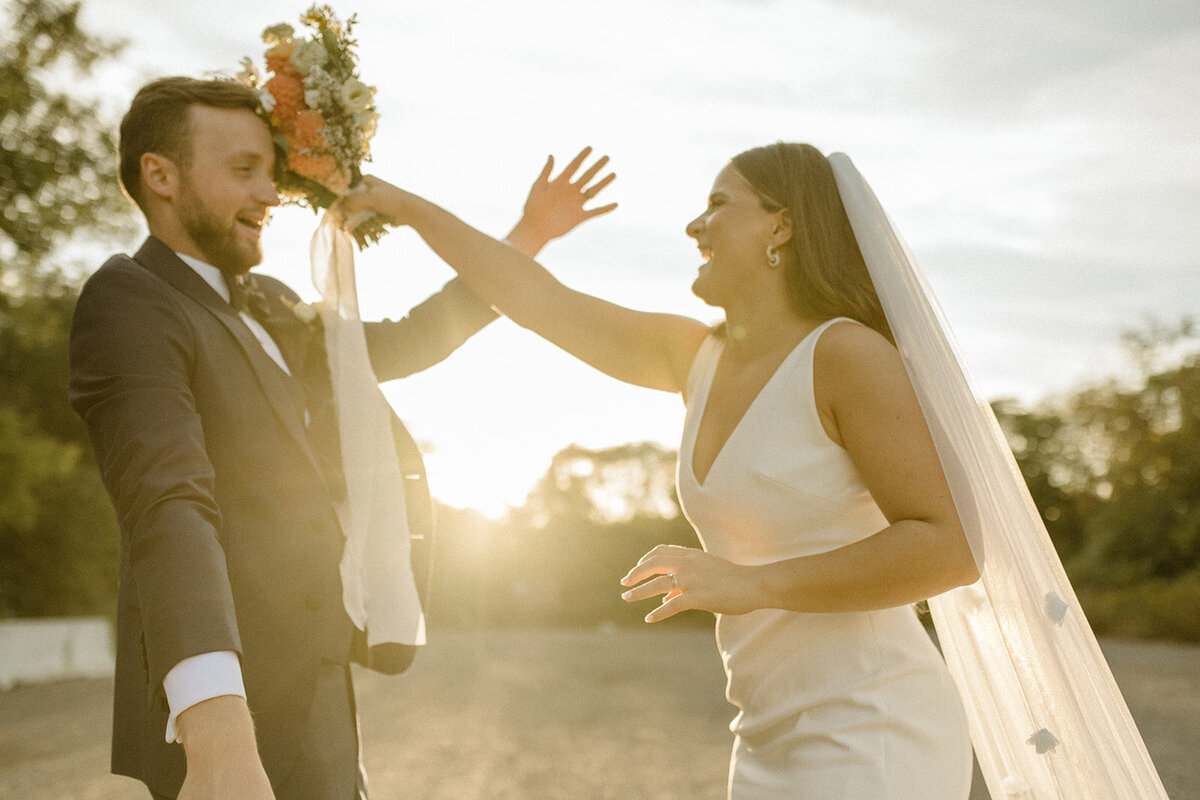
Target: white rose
(312, 98)
(356, 95)
(266, 100)
(308, 55)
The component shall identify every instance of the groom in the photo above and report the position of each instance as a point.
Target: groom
(213, 432)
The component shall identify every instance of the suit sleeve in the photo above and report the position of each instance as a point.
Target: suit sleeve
(431, 331)
(132, 350)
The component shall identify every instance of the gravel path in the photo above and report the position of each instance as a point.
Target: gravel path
(545, 714)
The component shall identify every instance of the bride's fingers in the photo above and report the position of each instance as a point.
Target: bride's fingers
(570, 169)
(356, 195)
(660, 559)
(671, 606)
(592, 171)
(544, 177)
(598, 187)
(595, 212)
(663, 584)
(646, 568)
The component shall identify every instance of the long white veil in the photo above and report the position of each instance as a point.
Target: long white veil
(1047, 719)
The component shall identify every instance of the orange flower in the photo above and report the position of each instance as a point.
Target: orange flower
(322, 168)
(288, 92)
(308, 131)
(307, 156)
(306, 165)
(279, 57)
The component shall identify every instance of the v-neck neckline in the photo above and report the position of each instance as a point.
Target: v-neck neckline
(710, 378)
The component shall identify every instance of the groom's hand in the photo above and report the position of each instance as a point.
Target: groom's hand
(222, 755)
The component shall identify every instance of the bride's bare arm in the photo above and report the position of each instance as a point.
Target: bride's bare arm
(868, 406)
(646, 349)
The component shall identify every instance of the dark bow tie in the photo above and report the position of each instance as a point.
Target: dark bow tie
(245, 296)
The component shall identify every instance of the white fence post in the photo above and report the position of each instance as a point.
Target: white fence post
(39, 650)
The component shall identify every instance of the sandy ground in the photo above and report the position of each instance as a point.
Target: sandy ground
(545, 714)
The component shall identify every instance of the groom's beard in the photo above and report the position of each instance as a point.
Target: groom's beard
(221, 241)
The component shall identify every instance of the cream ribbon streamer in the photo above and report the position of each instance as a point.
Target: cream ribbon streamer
(1046, 717)
(378, 588)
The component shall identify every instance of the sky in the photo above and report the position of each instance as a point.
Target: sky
(1042, 160)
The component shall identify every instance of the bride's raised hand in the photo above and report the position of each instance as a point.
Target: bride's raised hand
(555, 205)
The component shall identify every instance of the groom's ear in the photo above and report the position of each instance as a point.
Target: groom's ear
(160, 175)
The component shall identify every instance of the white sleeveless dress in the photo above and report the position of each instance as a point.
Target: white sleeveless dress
(846, 706)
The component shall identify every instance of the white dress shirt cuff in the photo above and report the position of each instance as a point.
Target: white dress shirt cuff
(198, 678)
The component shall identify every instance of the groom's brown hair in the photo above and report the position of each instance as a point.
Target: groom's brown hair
(158, 122)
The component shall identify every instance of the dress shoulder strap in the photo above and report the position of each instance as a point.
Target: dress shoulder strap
(704, 362)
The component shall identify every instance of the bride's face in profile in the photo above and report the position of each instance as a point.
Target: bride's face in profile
(732, 234)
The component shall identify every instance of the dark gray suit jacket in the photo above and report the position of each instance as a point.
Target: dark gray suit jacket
(225, 498)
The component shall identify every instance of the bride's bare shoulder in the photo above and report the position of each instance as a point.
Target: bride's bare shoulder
(857, 371)
(848, 346)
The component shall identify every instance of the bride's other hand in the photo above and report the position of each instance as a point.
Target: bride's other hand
(555, 206)
(689, 578)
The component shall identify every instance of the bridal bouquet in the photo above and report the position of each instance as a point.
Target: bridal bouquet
(322, 116)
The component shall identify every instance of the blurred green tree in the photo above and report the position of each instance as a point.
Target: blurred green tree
(1115, 470)
(57, 164)
(1148, 526)
(1049, 453)
(58, 538)
(612, 485)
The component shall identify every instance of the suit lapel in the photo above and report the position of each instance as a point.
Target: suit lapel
(303, 348)
(162, 261)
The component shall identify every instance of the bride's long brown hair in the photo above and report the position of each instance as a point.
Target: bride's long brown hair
(825, 271)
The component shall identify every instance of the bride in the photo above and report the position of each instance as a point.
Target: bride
(824, 485)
